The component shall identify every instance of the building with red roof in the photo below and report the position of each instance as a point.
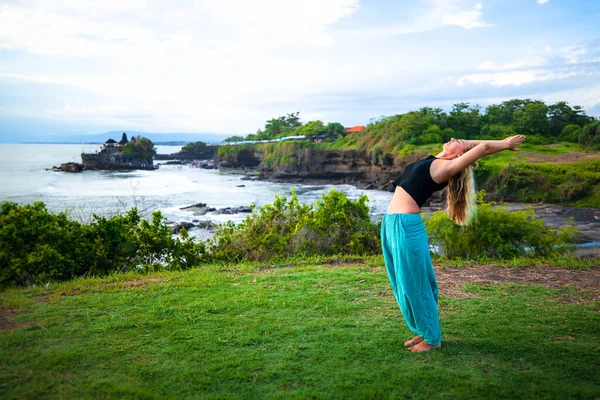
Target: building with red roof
(358, 128)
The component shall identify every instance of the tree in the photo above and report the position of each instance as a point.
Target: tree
(580, 118)
(194, 145)
(143, 146)
(281, 126)
(532, 119)
(465, 119)
(496, 131)
(433, 134)
(234, 138)
(293, 120)
(311, 128)
(333, 131)
(503, 113)
(561, 115)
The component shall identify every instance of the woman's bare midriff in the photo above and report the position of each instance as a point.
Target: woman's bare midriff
(402, 203)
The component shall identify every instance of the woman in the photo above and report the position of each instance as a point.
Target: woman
(403, 235)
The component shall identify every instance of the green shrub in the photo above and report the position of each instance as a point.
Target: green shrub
(570, 133)
(496, 131)
(194, 145)
(428, 138)
(38, 246)
(537, 139)
(589, 136)
(332, 225)
(377, 156)
(338, 225)
(498, 233)
(553, 183)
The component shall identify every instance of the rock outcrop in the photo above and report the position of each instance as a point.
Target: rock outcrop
(70, 167)
(124, 155)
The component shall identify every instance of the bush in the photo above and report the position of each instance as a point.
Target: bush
(589, 136)
(553, 182)
(332, 225)
(498, 233)
(537, 139)
(570, 133)
(377, 156)
(38, 246)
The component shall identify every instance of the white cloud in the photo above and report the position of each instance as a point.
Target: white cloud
(226, 66)
(187, 66)
(114, 29)
(438, 14)
(514, 78)
(547, 65)
(573, 54)
(466, 19)
(542, 1)
(527, 62)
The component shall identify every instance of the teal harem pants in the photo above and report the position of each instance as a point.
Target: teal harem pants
(406, 254)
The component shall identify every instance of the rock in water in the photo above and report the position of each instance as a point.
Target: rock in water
(71, 167)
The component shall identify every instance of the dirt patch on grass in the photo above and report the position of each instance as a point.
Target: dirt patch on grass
(6, 323)
(43, 298)
(451, 280)
(72, 292)
(138, 282)
(561, 158)
(336, 262)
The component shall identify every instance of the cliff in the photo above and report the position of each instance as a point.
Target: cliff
(312, 164)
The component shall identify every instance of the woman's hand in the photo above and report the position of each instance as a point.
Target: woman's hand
(513, 141)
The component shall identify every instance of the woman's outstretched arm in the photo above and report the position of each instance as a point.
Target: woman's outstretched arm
(450, 168)
(475, 142)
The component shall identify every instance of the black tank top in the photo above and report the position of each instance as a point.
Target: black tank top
(417, 181)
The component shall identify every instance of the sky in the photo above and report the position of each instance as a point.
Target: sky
(226, 66)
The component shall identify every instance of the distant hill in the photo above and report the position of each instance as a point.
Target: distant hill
(41, 130)
(157, 138)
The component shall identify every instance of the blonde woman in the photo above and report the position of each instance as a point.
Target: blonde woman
(403, 236)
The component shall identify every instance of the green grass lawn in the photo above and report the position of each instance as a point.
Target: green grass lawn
(317, 331)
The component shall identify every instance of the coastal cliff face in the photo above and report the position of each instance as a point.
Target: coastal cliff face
(347, 166)
(356, 167)
(243, 157)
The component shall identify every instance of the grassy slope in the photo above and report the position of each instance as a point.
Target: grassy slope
(311, 331)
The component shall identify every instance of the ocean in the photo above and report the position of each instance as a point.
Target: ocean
(26, 177)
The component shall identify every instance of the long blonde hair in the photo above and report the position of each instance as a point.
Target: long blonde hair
(461, 196)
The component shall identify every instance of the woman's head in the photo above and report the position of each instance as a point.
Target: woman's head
(455, 148)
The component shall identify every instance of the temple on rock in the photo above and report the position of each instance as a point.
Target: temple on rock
(136, 153)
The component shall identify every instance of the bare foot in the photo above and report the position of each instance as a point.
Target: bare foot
(423, 346)
(413, 341)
